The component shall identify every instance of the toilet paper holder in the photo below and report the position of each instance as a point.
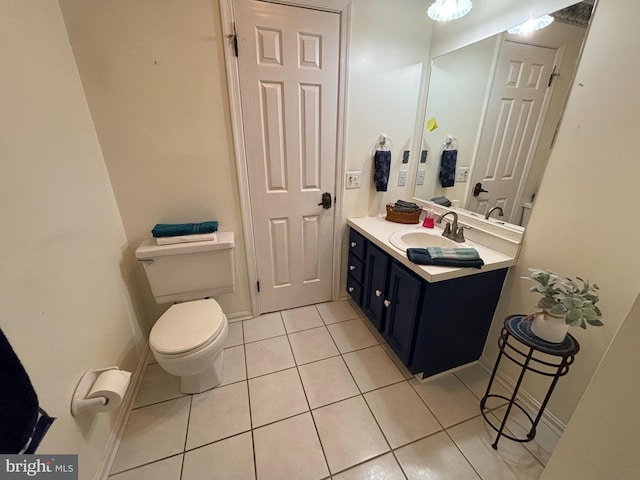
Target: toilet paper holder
(79, 402)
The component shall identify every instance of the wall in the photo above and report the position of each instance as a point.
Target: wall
(153, 73)
(602, 439)
(584, 208)
(389, 47)
(63, 302)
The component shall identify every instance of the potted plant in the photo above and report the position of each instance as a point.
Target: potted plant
(564, 303)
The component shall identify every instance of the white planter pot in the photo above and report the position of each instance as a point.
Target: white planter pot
(549, 328)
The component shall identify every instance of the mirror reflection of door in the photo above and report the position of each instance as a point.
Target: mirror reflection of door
(517, 106)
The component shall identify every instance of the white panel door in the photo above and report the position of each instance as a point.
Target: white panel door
(509, 135)
(288, 65)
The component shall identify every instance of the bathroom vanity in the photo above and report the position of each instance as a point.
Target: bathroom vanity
(434, 318)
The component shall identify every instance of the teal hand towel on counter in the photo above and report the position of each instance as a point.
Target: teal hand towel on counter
(175, 229)
(445, 257)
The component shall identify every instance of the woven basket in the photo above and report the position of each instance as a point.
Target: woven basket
(402, 217)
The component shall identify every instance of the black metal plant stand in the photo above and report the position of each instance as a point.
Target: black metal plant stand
(516, 334)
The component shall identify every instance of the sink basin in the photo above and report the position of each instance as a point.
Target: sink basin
(413, 238)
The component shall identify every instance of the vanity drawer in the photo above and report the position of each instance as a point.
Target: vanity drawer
(355, 267)
(354, 288)
(357, 244)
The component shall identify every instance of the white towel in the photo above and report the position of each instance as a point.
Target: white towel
(197, 237)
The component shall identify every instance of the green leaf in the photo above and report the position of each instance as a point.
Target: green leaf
(595, 323)
(575, 314)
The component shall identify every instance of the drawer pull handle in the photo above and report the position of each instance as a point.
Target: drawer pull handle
(378, 293)
(352, 267)
(387, 303)
(353, 244)
(351, 289)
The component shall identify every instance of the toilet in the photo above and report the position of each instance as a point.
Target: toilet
(188, 339)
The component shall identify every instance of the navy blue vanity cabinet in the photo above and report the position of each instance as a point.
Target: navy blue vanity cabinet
(355, 265)
(454, 320)
(432, 327)
(375, 285)
(402, 308)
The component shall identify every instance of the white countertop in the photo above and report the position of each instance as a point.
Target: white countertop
(377, 229)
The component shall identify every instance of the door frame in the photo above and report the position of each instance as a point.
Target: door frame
(343, 8)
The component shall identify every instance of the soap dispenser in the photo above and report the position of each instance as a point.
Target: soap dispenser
(428, 219)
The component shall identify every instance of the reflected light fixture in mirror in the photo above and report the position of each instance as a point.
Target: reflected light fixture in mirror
(447, 10)
(532, 25)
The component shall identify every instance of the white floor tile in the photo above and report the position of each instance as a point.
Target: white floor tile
(311, 345)
(264, 326)
(235, 336)
(302, 318)
(351, 335)
(268, 356)
(510, 461)
(349, 433)
(435, 458)
(234, 368)
(289, 449)
(168, 469)
(276, 396)
(334, 312)
(401, 414)
(224, 460)
(476, 379)
(218, 413)
(157, 386)
(382, 468)
(327, 381)
(153, 432)
(372, 368)
(448, 399)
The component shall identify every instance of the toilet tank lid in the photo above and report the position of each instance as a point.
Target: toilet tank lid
(186, 326)
(149, 248)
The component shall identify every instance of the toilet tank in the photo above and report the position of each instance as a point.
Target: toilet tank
(188, 271)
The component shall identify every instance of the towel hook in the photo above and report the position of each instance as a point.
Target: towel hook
(384, 143)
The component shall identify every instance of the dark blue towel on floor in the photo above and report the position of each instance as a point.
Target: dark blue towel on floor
(22, 422)
(448, 168)
(381, 168)
(421, 256)
(173, 230)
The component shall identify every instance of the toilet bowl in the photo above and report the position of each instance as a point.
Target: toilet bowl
(188, 341)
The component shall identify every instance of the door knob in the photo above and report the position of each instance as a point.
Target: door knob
(477, 189)
(326, 201)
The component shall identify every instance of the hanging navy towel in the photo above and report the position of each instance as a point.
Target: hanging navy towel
(23, 423)
(381, 168)
(448, 168)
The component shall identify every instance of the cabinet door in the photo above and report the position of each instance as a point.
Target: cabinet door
(375, 284)
(403, 301)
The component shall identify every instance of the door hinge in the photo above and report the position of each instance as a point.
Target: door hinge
(234, 39)
(553, 74)
(258, 285)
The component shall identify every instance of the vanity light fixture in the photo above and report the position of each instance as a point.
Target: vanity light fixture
(532, 25)
(447, 10)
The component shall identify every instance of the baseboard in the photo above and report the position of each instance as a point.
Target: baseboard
(524, 398)
(102, 473)
(239, 316)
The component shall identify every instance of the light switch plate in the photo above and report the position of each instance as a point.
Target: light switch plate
(402, 178)
(353, 179)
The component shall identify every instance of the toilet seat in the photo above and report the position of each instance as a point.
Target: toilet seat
(186, 327)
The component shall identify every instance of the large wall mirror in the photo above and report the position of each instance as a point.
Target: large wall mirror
(499, 102)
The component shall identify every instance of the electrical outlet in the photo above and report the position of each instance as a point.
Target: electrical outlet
(462, 174)
(353, 179)
(402, 178)
(420, 177)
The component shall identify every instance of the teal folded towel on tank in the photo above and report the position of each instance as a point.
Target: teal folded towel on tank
(175, 229)
(421, 256)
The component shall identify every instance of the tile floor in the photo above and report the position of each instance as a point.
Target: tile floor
(315, 393)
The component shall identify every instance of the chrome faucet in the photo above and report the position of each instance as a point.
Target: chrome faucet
(450, 230)
(486, 217)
